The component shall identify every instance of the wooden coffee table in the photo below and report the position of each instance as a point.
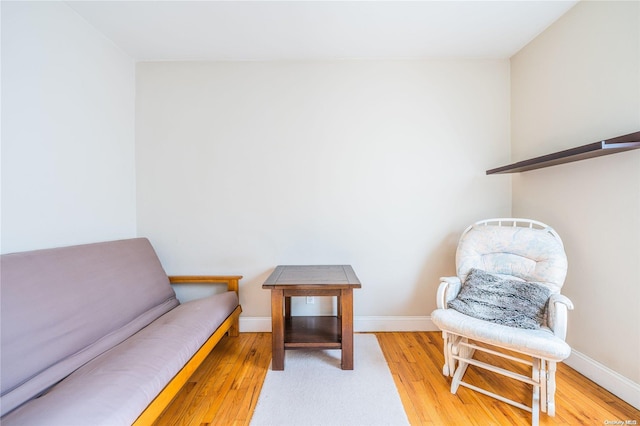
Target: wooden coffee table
(316, 332)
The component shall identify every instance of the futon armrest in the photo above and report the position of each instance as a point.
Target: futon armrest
(230, 280)
(557, 314)
(447, 291)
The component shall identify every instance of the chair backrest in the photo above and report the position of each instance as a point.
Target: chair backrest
(516, 248)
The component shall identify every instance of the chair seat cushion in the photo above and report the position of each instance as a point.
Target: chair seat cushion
(540, 342)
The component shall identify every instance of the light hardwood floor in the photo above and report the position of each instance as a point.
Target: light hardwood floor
(225, 389)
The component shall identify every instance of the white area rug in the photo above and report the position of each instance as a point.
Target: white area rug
(314, 390)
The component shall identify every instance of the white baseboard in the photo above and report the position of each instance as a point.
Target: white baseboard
(360, 324)
(255, 324)
(615, 383)
(370, 324)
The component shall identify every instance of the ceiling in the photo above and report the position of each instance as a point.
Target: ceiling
(303, 30)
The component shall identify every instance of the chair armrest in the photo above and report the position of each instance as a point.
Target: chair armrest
(557, 314)
(232, 281)
(447, 291)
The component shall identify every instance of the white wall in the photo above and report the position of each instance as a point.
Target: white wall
(68, 95)
(577, 83)
(242, 166)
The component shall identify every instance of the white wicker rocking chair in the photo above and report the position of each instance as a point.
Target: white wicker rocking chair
(515, 250)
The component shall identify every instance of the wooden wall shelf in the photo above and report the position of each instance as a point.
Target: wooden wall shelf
(596, 149)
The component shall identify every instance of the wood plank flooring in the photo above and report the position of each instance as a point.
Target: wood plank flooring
(225, 389)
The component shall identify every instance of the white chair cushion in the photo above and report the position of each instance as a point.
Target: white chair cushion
(540, 343)
(529, 254)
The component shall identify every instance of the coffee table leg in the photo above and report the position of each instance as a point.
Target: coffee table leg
(277, 330)
(346, 307)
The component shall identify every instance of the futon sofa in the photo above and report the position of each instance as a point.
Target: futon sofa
(94, 334)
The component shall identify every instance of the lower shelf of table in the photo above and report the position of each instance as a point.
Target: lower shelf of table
(318, 332)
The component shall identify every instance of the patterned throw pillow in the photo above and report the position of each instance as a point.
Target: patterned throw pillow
(503, 301)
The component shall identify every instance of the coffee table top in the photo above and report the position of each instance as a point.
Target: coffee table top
(312, 275)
